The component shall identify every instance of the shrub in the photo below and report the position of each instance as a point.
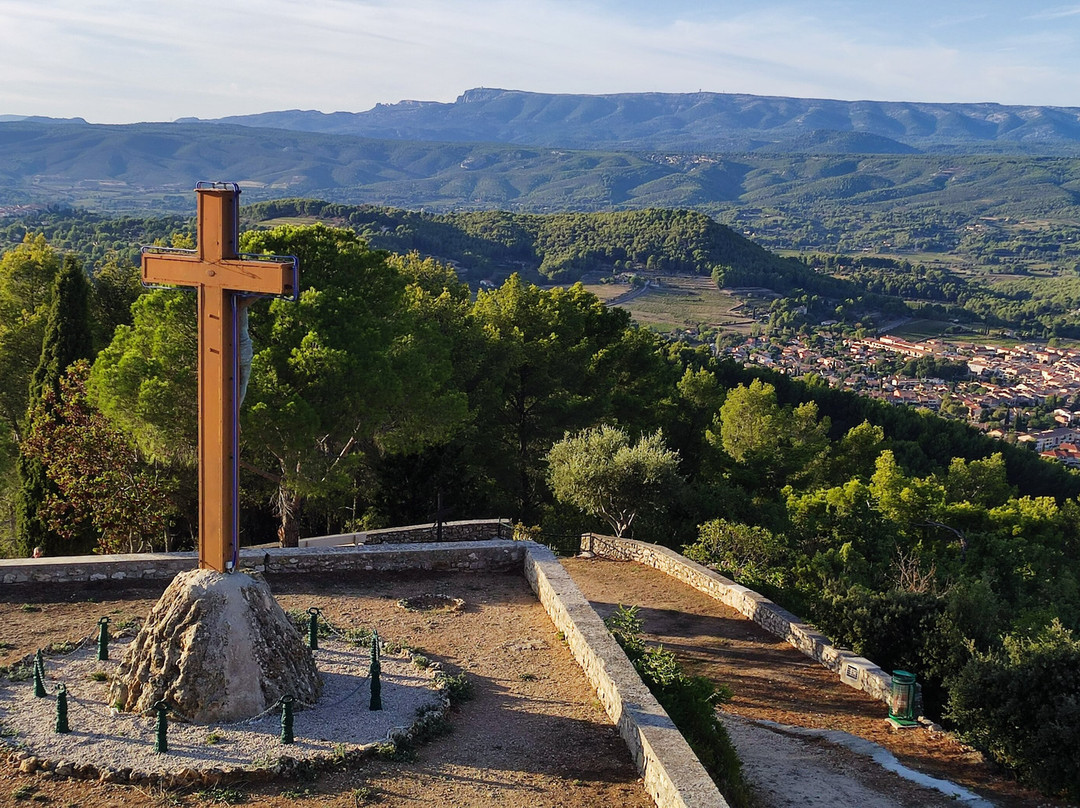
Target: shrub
(1021, 706)
(458, 688)
(913, 631)
(751, 555)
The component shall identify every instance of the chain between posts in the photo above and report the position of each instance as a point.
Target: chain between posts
(161, 708)
(348, 695)
(333, 630)
(90, 709)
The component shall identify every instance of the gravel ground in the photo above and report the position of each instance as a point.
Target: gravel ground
(106, 738)
(789, 769)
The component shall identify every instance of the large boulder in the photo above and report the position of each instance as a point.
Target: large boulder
(217, 647)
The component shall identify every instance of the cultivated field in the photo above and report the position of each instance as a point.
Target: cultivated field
(685, 302)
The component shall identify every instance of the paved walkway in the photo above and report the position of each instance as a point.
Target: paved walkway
(773, 684)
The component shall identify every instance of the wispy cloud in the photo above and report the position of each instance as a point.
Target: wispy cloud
(1055, 13)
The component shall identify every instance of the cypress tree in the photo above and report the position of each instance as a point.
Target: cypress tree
(67, 339)
(68, 336)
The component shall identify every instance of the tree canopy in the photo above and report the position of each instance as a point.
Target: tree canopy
(599, 471)
(67, 339)
(27, 275)
(348, 369)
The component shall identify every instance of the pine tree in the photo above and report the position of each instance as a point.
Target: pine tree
(67, 339)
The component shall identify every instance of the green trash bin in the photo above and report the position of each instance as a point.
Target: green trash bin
(902, 697)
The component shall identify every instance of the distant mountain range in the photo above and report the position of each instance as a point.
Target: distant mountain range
(688, 122)
(709, 122)
(773, 164)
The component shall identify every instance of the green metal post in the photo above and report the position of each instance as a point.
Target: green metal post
(62, 710)
(375, 672)
(39, 675)
(161, 740)
(287, 720)
(103, 639)
(313, 628)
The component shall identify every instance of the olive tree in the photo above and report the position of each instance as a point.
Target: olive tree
(599, 471)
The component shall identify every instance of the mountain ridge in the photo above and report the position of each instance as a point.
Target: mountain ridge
(718, 122)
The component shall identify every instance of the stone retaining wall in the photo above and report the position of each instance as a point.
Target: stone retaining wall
(445, 556)
(855, 671)
(467, 530)
(672, 773)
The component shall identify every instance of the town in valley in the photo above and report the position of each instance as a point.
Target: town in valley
(1027, 393)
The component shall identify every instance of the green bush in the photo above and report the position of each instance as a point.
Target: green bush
(751, 555)
(690, 701)
(912, 631)
(1021, 706)
(890, 627)
(459, 688)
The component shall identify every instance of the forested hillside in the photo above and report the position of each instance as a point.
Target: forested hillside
(1000, 211)
(556, 247)
(560, 247)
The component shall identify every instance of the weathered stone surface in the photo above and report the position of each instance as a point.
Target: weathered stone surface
(29, 765)
(216, 647)
(672, 774)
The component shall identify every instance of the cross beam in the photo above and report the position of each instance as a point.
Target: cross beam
(220, 275)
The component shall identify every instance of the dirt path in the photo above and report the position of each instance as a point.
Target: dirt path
(534, 736)
(789, 772)
(773, 682)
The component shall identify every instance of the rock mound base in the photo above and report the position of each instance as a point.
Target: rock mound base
(217, 647)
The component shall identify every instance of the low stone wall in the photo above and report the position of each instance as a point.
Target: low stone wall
(672, 773)
(445, 556)
(855, 671)
(467, 530)
(64, 569)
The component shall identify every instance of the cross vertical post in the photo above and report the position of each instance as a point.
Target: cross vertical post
(220, 275)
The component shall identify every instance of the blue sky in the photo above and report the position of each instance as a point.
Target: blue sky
(118, 61)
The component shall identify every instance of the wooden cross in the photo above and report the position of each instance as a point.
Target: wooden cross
(220, 275)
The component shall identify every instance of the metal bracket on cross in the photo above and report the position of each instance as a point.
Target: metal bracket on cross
(291, 289)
